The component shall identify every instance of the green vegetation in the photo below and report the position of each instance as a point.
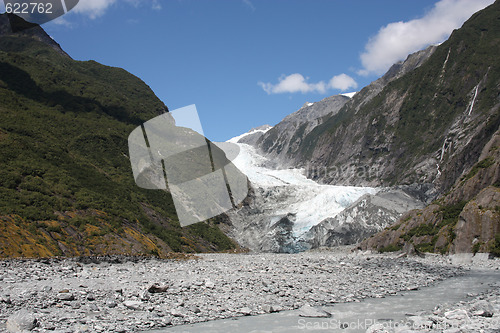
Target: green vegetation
(390, 248)
(495, 246)
(420, 230)
(395, 227)
(449, 218)
(476, 247)
(63, 146)
(425, 247)
(486, 163)
(450, 213)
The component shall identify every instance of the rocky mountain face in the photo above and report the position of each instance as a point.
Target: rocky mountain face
(283, 140)
(424, 131)
(370, 214)
(287, 140)
(14, 26)
(426, 126)
(466, 219)
(66, 183)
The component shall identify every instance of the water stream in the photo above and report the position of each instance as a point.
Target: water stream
(356, 317)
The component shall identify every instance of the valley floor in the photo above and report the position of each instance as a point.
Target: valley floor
(132, 295)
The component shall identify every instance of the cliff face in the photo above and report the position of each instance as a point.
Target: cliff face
(425, 125)
(466, 219)
(291, 141)
(282, 142)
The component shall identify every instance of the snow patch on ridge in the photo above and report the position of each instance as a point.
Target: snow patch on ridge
(350, 95)
(252, 131)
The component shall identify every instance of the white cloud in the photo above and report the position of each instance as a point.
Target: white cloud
(249, 4)
(396, 40)
(93, 8)
(156, 5)
(96, 8)
(342, 82)
(295, 83)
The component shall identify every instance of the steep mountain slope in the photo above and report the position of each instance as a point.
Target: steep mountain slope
(288, 140)
(421, 131)
(284, 139)
(466, 218)
(269, 218)
(66, 184)
(427, 126)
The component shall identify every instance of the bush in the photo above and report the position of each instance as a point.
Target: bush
(390, 248)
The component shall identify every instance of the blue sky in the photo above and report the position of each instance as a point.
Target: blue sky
(246, 63)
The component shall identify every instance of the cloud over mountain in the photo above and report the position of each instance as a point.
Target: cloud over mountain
(395, 41)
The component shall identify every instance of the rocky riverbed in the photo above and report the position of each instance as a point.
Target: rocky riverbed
(122, 295)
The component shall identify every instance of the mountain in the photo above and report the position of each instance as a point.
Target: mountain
(66, 180)
(425, 134)
(290, 140)
(284, 139)
(283, 213)
(466, 216)
(419, 129)
(252, 136)
(465, 219)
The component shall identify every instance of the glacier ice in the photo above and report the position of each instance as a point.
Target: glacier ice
(289, 191)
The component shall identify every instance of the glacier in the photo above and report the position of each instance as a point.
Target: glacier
(288, 192)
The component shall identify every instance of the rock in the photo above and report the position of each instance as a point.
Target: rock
(420, 322)
(133, 305)
(245, 311)
(145, 296)
(269, 308)
(157, 288)
(66, 297)
(482, 308)
(195, 309)
(458, 314)
(377, 328)
(312, 312)
(111, 303)
(5, 299)
(93, 307)
(46, 289)
(209, 284)
(177, 312)
(21, 321)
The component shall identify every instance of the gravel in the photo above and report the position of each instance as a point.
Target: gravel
(68, 295)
